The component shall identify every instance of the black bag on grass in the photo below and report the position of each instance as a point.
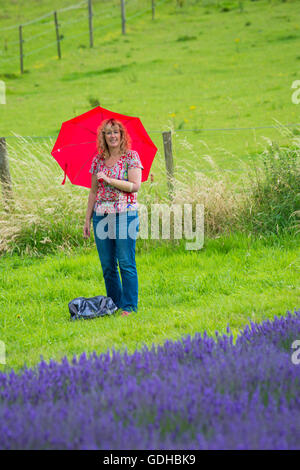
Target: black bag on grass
(92, 307)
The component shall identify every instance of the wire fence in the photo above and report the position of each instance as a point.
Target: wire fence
(55, 28)
(105, 15)
(40, 18)
(173, 133)
(156, 131)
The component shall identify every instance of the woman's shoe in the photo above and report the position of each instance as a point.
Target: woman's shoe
(125, 313)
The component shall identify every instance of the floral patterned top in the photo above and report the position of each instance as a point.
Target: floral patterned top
(109, 199)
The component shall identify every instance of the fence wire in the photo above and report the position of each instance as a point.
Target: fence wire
(36, 20)
(98, 14)
(174, 131)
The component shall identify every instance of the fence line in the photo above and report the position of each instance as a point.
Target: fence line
(66, 38)
(40, 49)
(154, 131)
(66, 23)
(97, 28)
(61, 10)
(36, 20)
(168, 152)
(62, 24)
(13, 57)
(237, 128)
(7, 43)
(37, 35)
(72, 7)
(150, 8)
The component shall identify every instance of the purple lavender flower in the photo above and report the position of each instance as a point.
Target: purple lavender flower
(196, 393)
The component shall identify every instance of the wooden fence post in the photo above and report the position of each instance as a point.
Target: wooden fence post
(21, 48)
(167, 139)
(91, 22)
(57, 35)
(123, 16)
(153, 9)
(5, 177)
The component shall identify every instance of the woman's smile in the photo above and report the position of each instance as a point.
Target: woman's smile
(113, 137)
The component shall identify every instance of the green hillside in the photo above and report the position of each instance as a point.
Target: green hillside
(204, 65)
(205, 69)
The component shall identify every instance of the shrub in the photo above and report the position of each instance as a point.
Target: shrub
(272, 190)
(93, 101)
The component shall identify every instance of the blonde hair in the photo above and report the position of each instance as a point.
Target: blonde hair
(102, 146)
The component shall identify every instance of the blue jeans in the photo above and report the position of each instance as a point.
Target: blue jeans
(115, 236)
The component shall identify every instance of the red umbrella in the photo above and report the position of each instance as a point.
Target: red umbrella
(75, 146)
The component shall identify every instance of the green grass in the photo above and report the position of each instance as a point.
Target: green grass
(205, 65)
(230, 281)
(185, 70)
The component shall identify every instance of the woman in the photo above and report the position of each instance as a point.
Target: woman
(112, 204)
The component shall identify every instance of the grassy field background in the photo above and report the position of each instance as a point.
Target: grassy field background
(207, 65)
(231, 281)
(211, 65)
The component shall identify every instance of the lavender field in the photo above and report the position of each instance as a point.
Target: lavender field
(196, 393)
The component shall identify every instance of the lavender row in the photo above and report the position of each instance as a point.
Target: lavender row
(196, 393)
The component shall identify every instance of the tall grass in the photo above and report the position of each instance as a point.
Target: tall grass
(272, 199)
(46, 217)
(264, 201)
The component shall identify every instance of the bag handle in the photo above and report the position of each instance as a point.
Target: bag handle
(102, 303)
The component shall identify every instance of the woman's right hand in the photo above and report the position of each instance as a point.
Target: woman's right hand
(86, 229)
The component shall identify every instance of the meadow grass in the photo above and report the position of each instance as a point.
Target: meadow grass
(230, 281)
(234, 279)
(199, 66)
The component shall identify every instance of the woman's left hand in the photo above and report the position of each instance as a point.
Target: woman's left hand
(102, 176)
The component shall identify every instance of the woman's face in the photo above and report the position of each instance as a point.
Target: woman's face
(112, 137)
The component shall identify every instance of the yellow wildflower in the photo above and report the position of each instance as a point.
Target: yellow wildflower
(38, 66)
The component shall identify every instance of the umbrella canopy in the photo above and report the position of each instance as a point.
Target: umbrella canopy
(75, 146)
